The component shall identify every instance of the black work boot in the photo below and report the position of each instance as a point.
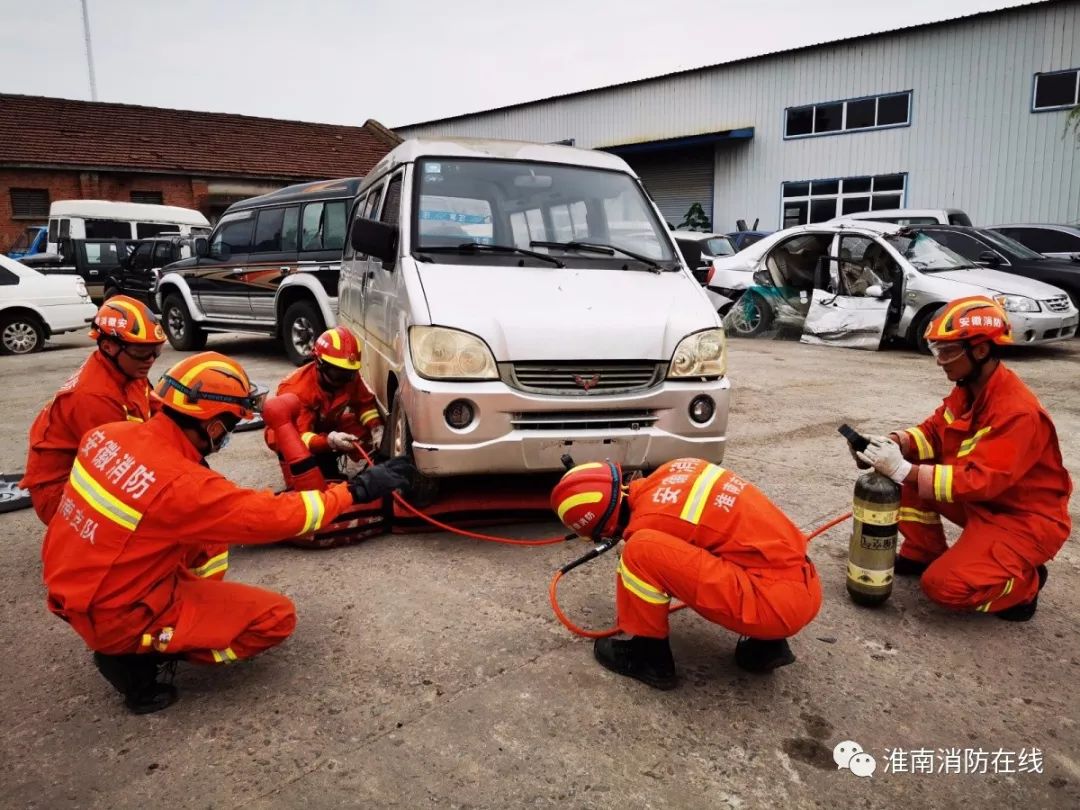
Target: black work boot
(761, 655)
(907, 567)
(1024, 611)
(646, 659)
(136, 678)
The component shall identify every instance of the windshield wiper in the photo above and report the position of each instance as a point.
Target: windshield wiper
(599, 247)
(472, 247)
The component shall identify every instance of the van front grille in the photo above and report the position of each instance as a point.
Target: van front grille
(579, 379)
(583, 420)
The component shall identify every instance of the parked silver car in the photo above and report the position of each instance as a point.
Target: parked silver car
(855, 283)
(517, 302)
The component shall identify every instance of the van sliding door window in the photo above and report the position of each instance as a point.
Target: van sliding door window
(107, 229)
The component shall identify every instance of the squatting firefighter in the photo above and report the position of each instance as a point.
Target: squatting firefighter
(110, 386)
(699, 533)
(139, 496)
(336, 408)
(988, 460)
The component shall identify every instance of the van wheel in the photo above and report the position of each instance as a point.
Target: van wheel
(918, 329)
(750, 315)
(397, 441)
(21, 334)
(183, 333)
(303, 323)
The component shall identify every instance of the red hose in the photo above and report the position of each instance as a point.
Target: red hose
(581, 631)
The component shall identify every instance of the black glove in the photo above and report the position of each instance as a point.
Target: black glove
(382, 479)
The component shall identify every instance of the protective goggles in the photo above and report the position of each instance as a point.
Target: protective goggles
(947, 352)
(338, 375)
(252, 402)
(141, 355)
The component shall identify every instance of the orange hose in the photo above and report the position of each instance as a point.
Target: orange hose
(581, 631)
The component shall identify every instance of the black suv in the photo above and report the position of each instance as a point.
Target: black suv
(271, 266)
(139, 274)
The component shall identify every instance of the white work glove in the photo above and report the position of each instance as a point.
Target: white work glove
(376, 437)
(340, 442)
(883, 454)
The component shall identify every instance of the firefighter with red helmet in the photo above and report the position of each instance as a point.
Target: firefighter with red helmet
(110, 386)
(987, 460)
(336, 408)
(697, 532)
(140, 495)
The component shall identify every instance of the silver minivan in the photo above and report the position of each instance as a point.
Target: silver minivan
(517, 302)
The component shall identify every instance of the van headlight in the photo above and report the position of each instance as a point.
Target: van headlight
(439, 353)
(1017, 303)
(702, 354)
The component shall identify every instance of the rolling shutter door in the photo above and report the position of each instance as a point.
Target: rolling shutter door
(677, 179)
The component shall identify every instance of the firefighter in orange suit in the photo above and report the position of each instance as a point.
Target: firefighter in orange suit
(139, 496)
(699, 533)
(988, 460)
(336, 408)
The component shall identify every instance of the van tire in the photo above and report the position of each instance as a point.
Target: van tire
(918, 329)
(301, 326)
(21, 333)
(397, 441)
(183, 333)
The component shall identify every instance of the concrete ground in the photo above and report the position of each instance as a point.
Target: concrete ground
(428, 671)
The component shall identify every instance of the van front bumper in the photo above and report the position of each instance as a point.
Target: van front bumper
(517, 432)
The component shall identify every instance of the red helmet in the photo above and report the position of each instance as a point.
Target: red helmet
(975, 319)
(206, 385)
(338, 347)
(588, 497)
(126, 319)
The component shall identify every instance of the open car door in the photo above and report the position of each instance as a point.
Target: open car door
(849, 306)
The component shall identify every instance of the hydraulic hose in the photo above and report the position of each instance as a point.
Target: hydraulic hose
(608, 545)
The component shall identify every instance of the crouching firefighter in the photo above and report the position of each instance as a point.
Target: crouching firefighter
(699, 533)
(987, 460)
(139, 496)
(336, 408)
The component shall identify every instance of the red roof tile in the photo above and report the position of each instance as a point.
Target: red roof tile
(58, 132)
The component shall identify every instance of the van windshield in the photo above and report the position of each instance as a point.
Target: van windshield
(925, 253)
(518, 204)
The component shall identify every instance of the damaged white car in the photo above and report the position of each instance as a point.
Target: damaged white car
(856, 284)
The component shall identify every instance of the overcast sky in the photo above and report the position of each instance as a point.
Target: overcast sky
(404, 61)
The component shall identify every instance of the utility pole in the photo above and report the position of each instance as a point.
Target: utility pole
(89, 51)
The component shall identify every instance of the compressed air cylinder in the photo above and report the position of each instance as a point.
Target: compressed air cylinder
(298, 464)
(872, 551)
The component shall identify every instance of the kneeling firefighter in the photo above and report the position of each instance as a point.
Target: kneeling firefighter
(696, 532)
(336, 408)
(139, 496)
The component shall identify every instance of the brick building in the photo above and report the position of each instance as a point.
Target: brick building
(55, 149)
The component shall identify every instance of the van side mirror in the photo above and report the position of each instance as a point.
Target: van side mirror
(989, 258)
(372, 238)
(202, 247)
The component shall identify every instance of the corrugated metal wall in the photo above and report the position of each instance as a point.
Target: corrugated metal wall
(676, 180)
(973, 142)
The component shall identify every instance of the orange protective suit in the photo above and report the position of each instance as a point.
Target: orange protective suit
(992, 466)
(96, 394)
(699, 533)
(114, 556)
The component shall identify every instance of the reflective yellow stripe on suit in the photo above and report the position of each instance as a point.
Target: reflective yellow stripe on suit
(307, 437)
(922, 444)
(367, 416)
(226, 656)
(314, 510)
(214, 565)
(943, 477)
(699, 493)
(104, 503)
(640, 588)
(969, 444)
(912, 515)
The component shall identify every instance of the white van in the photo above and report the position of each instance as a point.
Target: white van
(912, 216)
(103, 219)
(518, 302)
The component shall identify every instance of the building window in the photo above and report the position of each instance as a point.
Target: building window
(151, 197)
(1056, 91)
(851, 115)
(820, 200)
(31, 203)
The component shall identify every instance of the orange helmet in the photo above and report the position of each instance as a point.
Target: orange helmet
(124, 318)
(339, 347)
(588, 497)
(975, 319)
(206, 385)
